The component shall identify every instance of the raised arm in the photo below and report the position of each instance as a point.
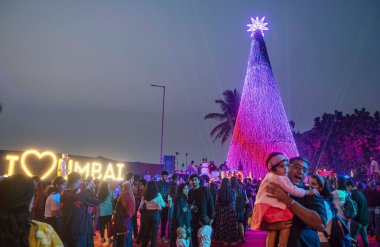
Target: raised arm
(287, 186)
(308, 216)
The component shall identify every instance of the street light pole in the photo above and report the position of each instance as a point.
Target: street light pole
(162, 122)
(176, 159)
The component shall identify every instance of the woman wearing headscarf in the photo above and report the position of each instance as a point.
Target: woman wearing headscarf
(181, 214)
(122, 217)
(16, 226)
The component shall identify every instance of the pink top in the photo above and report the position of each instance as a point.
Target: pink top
(286, 185)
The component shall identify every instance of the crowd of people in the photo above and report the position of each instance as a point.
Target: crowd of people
(295, 207)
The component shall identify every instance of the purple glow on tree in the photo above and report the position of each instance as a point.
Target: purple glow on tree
(262, 125)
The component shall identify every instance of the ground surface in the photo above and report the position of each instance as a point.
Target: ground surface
(252, 238)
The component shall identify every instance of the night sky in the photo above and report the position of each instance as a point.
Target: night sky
(75, 75)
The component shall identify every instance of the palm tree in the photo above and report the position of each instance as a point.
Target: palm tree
(230, 107)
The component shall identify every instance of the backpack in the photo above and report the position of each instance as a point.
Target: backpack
(350, 208)
(340, 234)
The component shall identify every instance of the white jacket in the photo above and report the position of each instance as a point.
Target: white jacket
(284, 183)
(339, 199)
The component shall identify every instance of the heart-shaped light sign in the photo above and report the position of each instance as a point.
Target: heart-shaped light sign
(39, 155)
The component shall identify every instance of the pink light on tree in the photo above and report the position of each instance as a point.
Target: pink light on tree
(262, 125)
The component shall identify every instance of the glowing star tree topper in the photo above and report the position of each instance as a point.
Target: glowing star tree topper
(257, 24)
(261, 125)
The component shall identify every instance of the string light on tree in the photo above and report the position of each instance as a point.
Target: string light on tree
(238, 174)
(261, 125)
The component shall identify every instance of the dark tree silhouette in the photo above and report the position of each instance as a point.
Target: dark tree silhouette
(229, 107)
(343, 142)
(292, 124)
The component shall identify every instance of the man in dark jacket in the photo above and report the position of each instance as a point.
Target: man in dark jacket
(359, 224)
(76, 227)
(201, 204)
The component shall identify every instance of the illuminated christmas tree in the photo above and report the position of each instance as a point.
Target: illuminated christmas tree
(262, 125)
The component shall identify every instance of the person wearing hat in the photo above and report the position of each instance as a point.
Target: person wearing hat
(16, 226)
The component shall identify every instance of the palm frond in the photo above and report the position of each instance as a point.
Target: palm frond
(229, 106)
(216, 116)
(223, 105)
(226, 135)
(229, 96)
(222, 132)
(217, 128)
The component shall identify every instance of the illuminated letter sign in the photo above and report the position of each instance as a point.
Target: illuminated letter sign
(12, 160)
(110, 173)
(120, 167)
(81, 170)
(94, 168)
(53, 163)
